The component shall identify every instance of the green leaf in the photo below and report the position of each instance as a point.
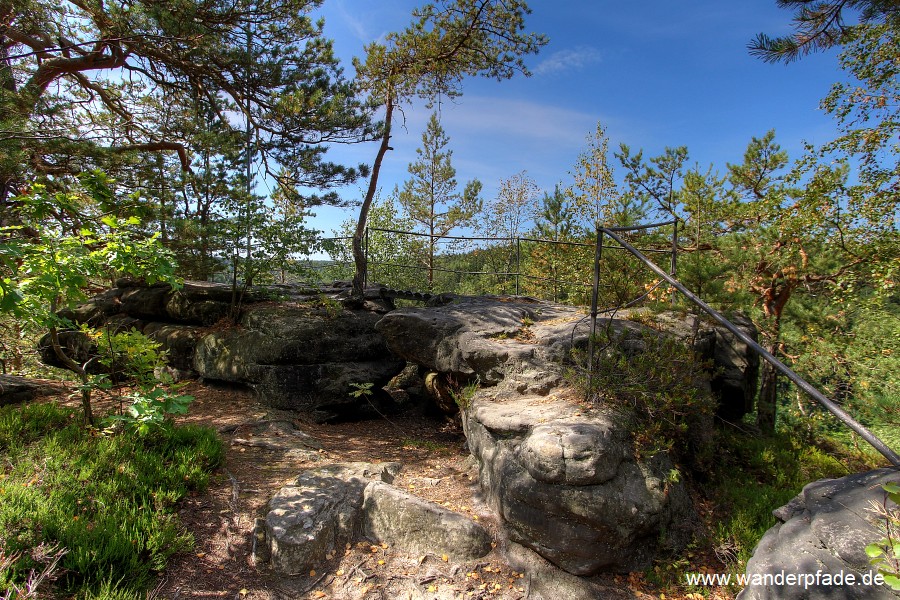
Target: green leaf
(874, 550)
(892, 581)
(891, 487)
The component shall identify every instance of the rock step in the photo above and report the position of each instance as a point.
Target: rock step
(316, 516)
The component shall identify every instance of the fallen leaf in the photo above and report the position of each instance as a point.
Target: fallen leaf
(445, 558)
(312, 573)
(320, 594)
(243, 592)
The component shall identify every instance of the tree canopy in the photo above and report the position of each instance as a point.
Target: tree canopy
(84, 82)
(819, 25)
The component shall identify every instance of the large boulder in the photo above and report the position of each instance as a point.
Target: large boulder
(562, 475)
(820, 542)
(304, 352)
(566, 483)
(300, 357)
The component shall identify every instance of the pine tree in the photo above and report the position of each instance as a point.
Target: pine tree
(431, 197)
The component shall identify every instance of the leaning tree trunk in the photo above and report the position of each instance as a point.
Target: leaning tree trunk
(359, 255)
(78, 370)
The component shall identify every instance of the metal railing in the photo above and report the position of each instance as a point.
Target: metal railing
(804, 385)
(515, 271)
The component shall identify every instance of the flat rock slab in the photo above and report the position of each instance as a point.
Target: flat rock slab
(418, 526)
(317, 515)
(277, 436)
(822, 532)
(312, 519)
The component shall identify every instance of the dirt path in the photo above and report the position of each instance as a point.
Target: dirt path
(260, 459)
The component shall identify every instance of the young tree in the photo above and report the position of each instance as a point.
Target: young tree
(656, 181)
(445, 43)
(431, 198)
(596, 197)
(48, 269)
(552, 265)
(506, 217)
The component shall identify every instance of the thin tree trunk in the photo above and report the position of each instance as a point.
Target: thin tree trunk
(359, 256)
(78, 370)
(767, 403)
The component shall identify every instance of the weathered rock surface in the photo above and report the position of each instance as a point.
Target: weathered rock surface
(298, 357)
(303, 353)
(562, 476)
(325, 508)
(824, 530)
(15, 390)
(317, 515)
(401, 519)
(566, 484)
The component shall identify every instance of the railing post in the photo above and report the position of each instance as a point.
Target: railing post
(804, 385)
(518, 262)
(595, 295)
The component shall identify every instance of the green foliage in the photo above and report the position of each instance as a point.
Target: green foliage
(820, 26)
(430, 198)
(884, 554)
(290, 86)
(361, 390)
(657, 384)
(50, 268)
(754, 475)
(107, 500)
(462, 394)
(149, 409)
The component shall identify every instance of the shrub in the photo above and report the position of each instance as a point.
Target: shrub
(108, 501)
(658, 385)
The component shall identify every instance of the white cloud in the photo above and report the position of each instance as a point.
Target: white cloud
(353, 23)
(568, 60)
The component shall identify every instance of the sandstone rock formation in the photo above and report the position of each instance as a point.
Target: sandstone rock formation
(822, 531)
(562, 475)
(324, 508)
(303, 352)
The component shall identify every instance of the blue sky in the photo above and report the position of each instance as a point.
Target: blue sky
(656, 73)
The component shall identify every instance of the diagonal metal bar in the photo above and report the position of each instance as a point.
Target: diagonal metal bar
(804, 385)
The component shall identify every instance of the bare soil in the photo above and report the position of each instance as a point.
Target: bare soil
(436, 465)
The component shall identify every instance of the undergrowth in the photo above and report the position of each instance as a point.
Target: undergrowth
(107, 501)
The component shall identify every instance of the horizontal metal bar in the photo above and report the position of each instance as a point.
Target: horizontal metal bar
(640, 227)
(804, 385)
